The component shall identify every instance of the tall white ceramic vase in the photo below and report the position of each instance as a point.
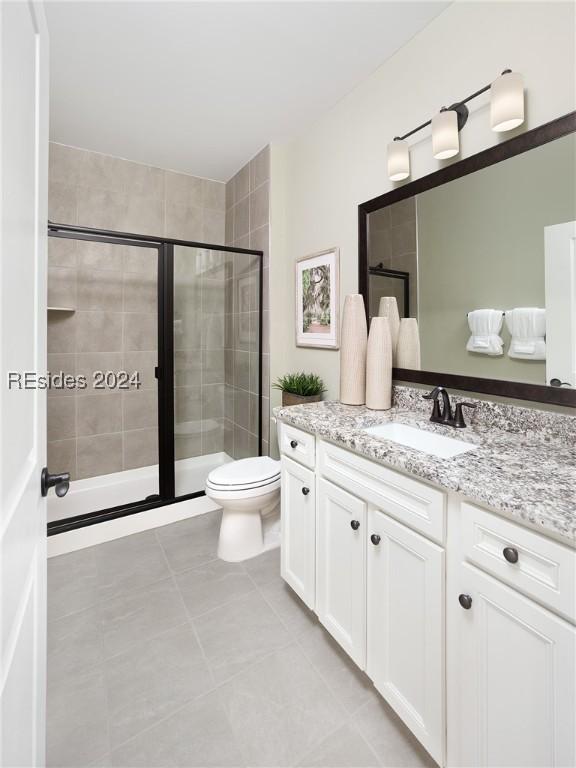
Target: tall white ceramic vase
(408, 350)
(389, 308)
(353, 351)
(379, 365)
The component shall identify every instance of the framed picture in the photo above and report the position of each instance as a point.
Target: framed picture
(318, 300)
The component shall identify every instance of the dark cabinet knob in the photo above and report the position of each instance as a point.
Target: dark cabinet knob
(355, 524)
(510, 554)
(465, 601)
(375, 539)
(305, 491)
(293, 443)
(60, 482)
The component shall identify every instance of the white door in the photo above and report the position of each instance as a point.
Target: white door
(298, 515)
(517, 679)
(23, 211)
(341, 568)
(406, 627)
(560, 272)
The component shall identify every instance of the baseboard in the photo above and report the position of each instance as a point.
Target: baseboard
(89, 536)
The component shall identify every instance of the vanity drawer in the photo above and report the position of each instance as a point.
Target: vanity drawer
(537, 566)
(298, 445)
(413, 503)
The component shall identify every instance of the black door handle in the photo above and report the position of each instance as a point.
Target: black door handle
(510, 554)
(60, 482)
(375, 539)
(293, 443)
(355, 524)
(305, 491)
(465, 601)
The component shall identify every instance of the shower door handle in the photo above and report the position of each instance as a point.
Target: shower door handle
(60, 482)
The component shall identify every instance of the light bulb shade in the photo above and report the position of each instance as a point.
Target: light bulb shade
(398, 161)
(507, 102)
(445, 140)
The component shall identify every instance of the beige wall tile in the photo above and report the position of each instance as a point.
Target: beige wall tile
(245, 444)
(184, 222)
(144, 363)
(61, 252)
(242, 183)
(213, 437)
(213, 195)
(186, 447)
(140, 292)
(61, 418)
(140, 332)
(100, 255)
(66, 164)
(65, 364)
(259, 207)
(61, 287)
(242, 369)
(213, 401)
(254, 414)
(62, 456)
(102, 208)
(214, 227)
(242, 408)
(62, 331)
(241, 218)
(62, 203)
(260, 168)
(99, 415)
(183, 190)
(144, 215)
(140, 409)
(141, 260)
(89, 362)
(187, 368)
(260, 241)
(98, 455)
(99, 289)
(187, 404)
(139, 179)
(213, 331)
(229, 227)
(140, 448)
(99, 332)
(213, 366)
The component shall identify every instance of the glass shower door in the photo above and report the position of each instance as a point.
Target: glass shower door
(216, 361)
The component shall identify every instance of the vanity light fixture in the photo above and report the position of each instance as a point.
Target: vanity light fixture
(506, 113)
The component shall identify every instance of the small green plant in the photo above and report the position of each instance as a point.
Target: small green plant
(303, 384)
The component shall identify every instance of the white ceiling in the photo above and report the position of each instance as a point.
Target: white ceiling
(200, 87)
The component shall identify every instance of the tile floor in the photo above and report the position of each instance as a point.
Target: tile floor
(161, 655)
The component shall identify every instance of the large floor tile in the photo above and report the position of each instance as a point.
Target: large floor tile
(265, 567)
(197, 736)
(213, 585)
(140, 616)
(238, 634)
(190, 543)
(74, 644)
(295, 616)
(130, 563)
(72, 583)
(349, 684)
(393, 743)
(344, 749)
(77, 722)
(153, 679)
(280, 709)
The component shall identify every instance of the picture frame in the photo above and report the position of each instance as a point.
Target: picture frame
(318, 300)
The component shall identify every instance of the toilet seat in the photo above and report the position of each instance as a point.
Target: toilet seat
(259, 472)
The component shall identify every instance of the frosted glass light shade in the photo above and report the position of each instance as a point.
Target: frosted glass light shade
(445, 141)
(398, 161)
(507, 102)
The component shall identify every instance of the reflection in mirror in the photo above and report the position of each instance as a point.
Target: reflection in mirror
(487, 265)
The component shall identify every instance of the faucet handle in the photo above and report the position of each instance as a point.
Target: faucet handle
(433, 394)
(459, 422)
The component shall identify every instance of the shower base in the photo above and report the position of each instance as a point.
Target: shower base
(132, 485)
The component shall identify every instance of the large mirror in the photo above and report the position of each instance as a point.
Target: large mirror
(483, 255)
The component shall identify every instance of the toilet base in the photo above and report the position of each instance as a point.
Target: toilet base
(242, 531)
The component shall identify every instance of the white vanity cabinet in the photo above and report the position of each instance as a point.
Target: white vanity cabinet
(463, 620)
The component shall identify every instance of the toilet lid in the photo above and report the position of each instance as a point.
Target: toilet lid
(258, 470)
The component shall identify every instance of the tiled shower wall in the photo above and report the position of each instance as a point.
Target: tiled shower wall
(248, 226)
(113, 292)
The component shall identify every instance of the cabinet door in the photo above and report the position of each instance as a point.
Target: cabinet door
(298, 560)
(406, 627)
(341, 568)
(517, 678)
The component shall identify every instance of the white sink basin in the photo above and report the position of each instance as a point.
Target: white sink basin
(421, 440)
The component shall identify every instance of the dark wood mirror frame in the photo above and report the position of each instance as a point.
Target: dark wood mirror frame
(515, 146)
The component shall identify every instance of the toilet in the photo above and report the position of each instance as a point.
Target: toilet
(248, 490)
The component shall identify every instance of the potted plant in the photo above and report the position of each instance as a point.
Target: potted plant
(299, 388)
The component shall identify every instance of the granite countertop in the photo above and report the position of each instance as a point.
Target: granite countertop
(526, 471)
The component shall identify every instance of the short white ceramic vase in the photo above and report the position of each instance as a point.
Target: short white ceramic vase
(408, 350)
(389, 308)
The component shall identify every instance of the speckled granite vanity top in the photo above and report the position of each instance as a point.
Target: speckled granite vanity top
(524, 466)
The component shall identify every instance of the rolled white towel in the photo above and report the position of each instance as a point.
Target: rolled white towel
(485, 325)
(527, 326)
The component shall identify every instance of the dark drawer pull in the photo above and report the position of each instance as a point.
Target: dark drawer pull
(510, 554)
(305, 491)
(355, 524)
(293, 443)
(465, 601)
(375, 539)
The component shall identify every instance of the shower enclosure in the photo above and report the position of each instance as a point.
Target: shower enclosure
(156, 364)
